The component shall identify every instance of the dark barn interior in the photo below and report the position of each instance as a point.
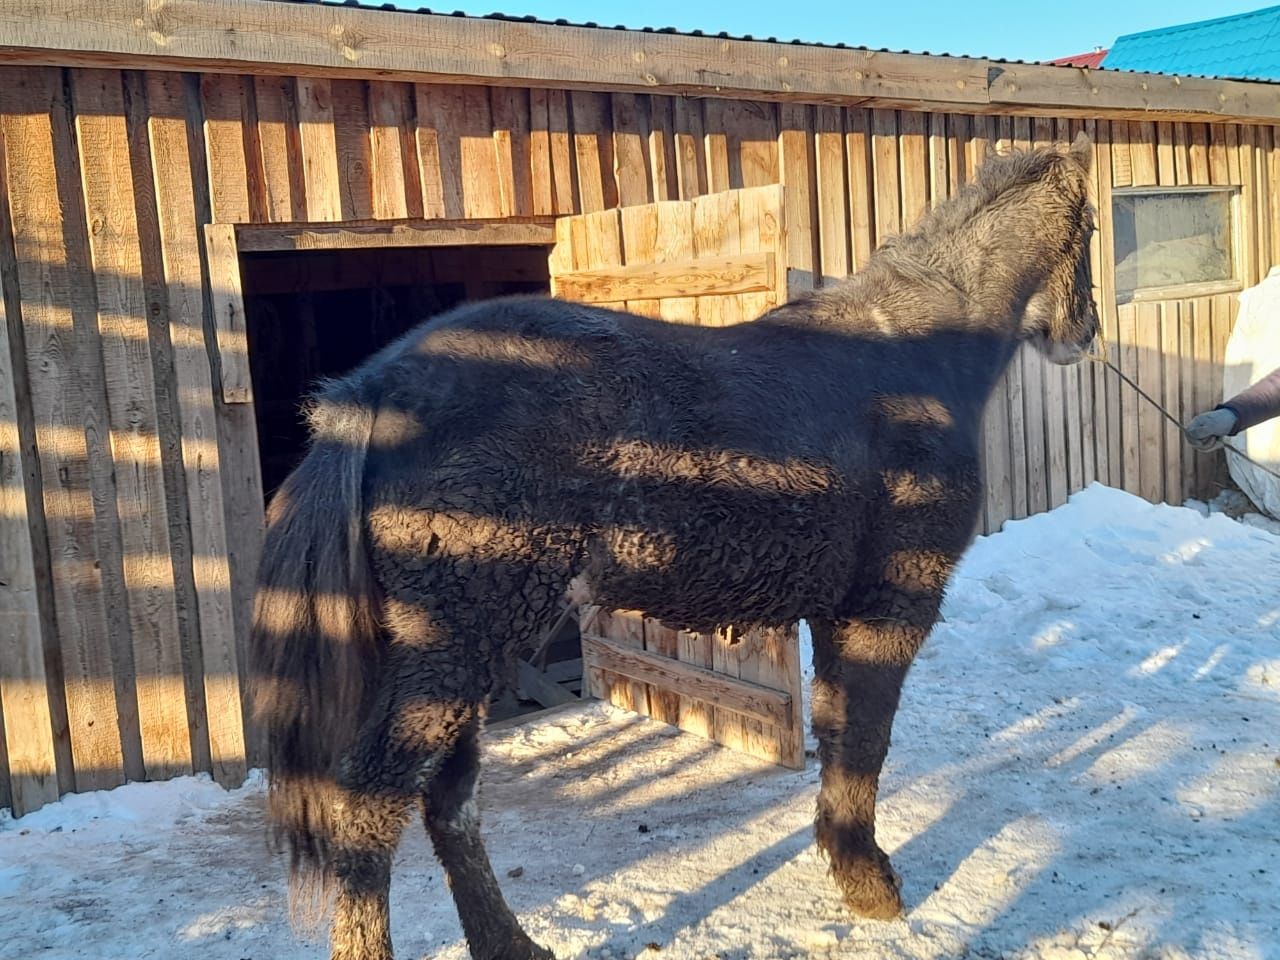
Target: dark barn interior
(318, 314)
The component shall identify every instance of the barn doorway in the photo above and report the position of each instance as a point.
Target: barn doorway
(313, 314)
(317, 313)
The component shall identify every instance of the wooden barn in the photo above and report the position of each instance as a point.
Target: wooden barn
(204, 206)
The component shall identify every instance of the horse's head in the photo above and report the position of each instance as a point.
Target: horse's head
(1061, 318)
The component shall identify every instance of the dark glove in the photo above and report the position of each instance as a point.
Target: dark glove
(1206, 431)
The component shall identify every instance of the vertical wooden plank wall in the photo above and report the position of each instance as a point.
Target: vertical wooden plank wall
(116, 440)
(145, 507)
(213, 656)
(52, 278)
(1173, 348)
(28, 758)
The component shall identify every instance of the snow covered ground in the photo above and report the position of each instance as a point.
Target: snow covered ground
(1086, 764)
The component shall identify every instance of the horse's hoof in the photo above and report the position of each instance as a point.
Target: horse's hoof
(881, 906)
(537, 952)
(522, 948)
(872, 890)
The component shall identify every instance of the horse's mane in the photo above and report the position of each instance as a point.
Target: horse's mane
(903, 270)
(997, 176)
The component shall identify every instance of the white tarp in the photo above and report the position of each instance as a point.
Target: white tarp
(1253, 352)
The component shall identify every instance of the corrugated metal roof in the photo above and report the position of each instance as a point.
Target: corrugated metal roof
(1245, 46)
(720, 35)
(1091, 60)
(724, 35)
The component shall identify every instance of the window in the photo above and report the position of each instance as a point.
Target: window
(1173, 237)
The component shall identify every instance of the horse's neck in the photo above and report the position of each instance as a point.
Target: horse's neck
(957, 343)
(997, 268)
(947, 302)
(911, 297)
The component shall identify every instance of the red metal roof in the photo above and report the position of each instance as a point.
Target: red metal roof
(1091, 60)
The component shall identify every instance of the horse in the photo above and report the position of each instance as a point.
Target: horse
(820, 463)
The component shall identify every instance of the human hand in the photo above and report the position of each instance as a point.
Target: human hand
(1206, 431)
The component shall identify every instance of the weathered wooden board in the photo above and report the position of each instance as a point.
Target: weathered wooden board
(170, 142)
(156, 667)
(30, 771)
(59, 329)
(745, 273)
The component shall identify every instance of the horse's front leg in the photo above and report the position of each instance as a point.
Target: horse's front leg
(860, 664)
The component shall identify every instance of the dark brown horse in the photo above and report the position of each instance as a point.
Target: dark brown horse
(820, 462)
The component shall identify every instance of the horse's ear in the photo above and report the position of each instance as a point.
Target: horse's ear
(1081, 151)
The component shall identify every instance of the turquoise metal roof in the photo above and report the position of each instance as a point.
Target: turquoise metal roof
(1245, 47)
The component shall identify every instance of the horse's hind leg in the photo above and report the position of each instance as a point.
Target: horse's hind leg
(413, 727)
(453, 822)
(367, 828)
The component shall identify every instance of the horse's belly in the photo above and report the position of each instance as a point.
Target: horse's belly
(714, 574)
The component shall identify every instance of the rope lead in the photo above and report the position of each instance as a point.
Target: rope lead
(1169, 416)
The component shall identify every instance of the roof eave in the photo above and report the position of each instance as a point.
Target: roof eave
(256, 36)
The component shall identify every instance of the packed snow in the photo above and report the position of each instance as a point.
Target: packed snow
(1086, 764)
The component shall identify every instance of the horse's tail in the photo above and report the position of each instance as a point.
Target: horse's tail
(316, 644)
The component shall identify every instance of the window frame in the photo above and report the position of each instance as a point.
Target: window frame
(1181, 291)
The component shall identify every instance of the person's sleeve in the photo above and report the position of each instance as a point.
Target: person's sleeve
(1259, 402)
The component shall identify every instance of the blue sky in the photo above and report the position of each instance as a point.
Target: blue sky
(1015, 29)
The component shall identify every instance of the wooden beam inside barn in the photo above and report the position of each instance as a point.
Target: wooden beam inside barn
(508, 231)
(256, 36)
